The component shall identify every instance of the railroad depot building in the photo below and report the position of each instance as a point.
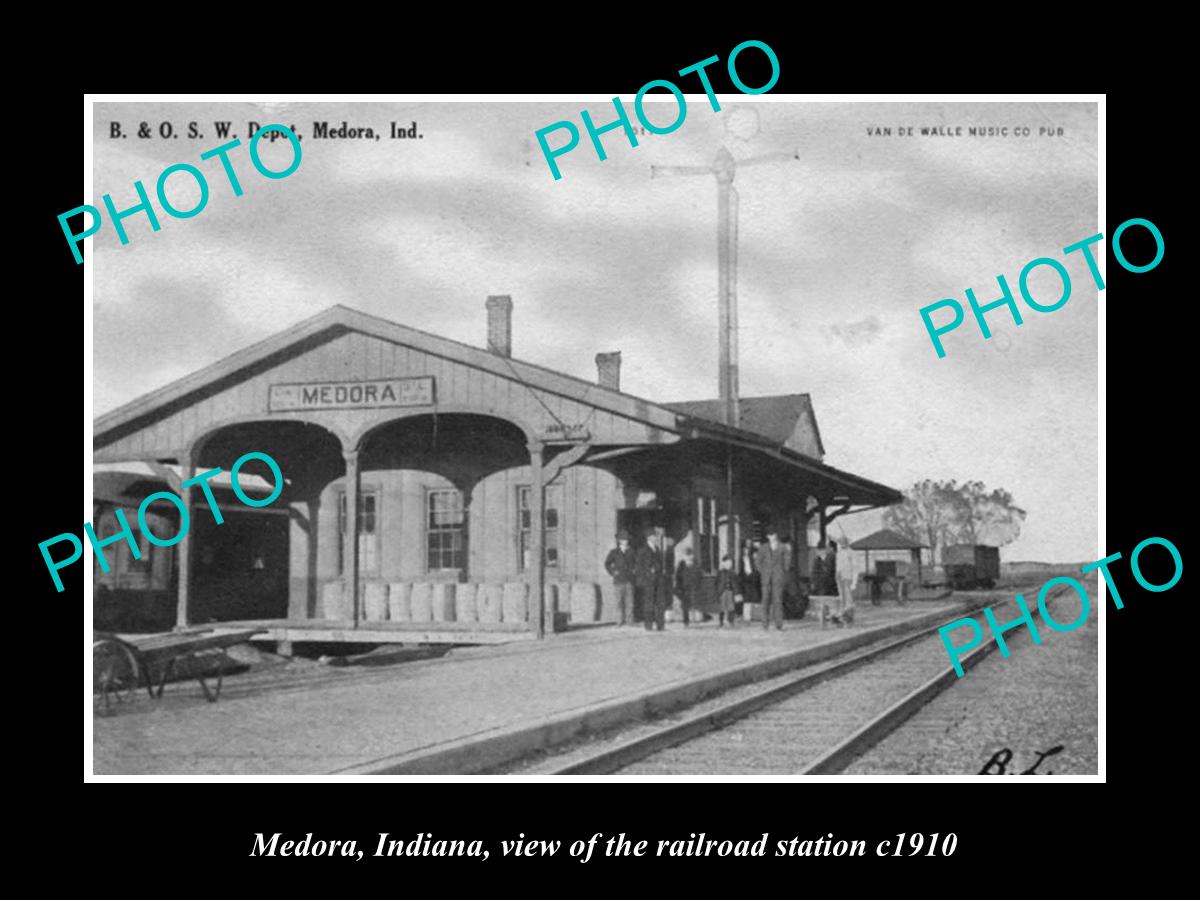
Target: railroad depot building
(415, 468)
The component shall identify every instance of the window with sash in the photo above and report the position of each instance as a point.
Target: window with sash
(144, 547)
(708, 536)
(119, 554)
(553, 501)
(445, 524)
(368, 532)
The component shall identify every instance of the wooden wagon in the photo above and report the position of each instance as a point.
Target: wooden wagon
(120, 665)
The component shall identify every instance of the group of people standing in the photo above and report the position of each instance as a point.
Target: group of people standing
(650, 573)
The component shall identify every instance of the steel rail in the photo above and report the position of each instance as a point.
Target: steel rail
(605, 762)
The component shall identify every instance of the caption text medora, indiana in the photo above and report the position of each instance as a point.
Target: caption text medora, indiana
(617, 845)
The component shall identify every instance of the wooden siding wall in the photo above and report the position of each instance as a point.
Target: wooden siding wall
(587, 523)
(804, 438)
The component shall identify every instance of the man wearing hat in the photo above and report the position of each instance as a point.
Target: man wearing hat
(774, 563)
(620, 565)
(654, 572)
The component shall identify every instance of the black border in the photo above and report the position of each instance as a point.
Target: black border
(1146, 484)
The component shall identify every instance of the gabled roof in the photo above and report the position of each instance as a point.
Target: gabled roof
(339, 319)
(885, 539)
(774, 417)
(772, 414)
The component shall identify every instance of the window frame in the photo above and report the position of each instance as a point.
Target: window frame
(106, 527)
(429, 530)
(708, 533)
(143, 566)
(525, 490)
(376, 550)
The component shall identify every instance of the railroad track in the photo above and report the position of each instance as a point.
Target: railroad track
(815, 721)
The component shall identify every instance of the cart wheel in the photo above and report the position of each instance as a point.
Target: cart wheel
(114, 671)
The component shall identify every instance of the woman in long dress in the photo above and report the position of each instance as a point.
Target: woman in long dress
(846, 580)
(749, 590)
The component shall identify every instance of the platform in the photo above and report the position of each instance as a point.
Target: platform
(473, 707)
(332, 631)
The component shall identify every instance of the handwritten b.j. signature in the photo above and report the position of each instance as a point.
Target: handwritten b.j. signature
(1001, 758)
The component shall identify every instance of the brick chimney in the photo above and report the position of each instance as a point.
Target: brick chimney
(499, 323)
(608, 370)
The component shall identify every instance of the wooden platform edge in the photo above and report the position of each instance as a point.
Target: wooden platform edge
(348, 635)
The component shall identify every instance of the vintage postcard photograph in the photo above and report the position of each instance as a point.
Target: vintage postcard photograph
(523, 437)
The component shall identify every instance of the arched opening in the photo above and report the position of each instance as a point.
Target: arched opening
(260, 562)
(423, 498)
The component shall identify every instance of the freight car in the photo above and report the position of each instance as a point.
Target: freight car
(970, 566)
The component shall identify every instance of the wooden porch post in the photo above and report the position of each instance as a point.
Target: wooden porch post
(350, 555)
(537, 540)
(732, 547)
(312, 590)
(185, 547)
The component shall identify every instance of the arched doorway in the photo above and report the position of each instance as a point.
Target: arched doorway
(259, 563)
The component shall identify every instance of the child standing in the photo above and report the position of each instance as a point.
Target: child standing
(726, 586)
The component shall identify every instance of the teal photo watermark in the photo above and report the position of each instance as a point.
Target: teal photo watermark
(1045, 305)
(125, 533)
(957, 651)
(270, 133)
(622, 115)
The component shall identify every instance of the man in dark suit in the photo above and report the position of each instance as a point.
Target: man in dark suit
(621, 564)
(774, 564)
(687, 583)
(653, 571)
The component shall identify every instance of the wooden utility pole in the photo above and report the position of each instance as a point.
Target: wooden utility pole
(724, 167)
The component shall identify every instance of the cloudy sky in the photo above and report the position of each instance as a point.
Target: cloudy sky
(839, 249)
